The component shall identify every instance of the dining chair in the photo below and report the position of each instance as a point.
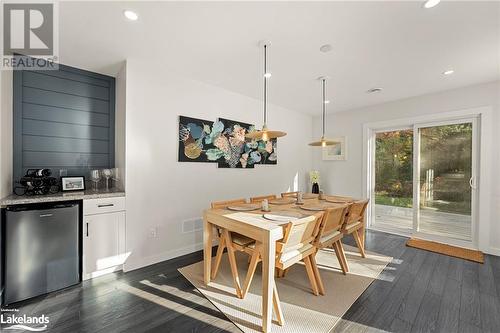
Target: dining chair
(226, 240)
(297, 245)
(355, 224)
(330, 235)
(262, 198)
(289, 194)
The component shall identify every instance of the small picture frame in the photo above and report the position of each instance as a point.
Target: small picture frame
(337, 152)
(73, 183)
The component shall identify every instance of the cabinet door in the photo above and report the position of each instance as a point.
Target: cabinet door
(103, 243)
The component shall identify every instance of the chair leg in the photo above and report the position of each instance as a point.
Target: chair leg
(321, 287)
(232, 262)
(362, 235)
(284, 272)
(254, 260)
(342, 253)
(218, 256)
(340, 249)
(310, 274)
(277, 306)
(355, 234)
(280, 273)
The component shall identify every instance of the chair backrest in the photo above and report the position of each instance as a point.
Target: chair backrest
(333, 220)
(262, 198)
(299, 233)
(357, 211)
(224, 204)
(289, 194)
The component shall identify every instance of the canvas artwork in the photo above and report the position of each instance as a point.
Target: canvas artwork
(223, 142)
(243, 152)
(195, 139)
(337, 152)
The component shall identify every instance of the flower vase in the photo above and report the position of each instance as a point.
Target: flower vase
(315, 188)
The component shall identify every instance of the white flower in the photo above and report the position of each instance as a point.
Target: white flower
(314, 176)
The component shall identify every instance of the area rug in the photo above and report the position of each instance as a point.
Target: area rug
(303, 312)
(454, 251)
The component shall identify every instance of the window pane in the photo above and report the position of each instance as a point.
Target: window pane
(394, 180)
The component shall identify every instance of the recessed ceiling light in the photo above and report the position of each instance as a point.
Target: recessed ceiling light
(431, 3)
(325, 48)
(374, 90)
(267, 75)
(132, 16)
(448, 72)
(327, 102)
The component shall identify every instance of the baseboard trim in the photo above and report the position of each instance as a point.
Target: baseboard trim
(494, 251)
(151, 260)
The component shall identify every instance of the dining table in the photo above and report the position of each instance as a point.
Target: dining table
(267, 232)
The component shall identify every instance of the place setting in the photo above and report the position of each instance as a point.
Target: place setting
(246, 207)
(283, 216)
(339, 199)
(318, 206)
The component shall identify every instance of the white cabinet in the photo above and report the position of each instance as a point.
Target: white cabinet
(103, 236)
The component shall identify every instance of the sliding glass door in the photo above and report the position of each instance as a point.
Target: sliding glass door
(445, 179)
(424, 180)
(394, 180)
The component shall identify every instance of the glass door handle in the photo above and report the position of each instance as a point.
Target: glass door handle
(471, 183)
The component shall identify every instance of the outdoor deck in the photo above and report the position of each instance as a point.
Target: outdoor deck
(400, 219)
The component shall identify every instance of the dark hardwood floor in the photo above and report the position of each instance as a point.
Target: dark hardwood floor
(418, 292)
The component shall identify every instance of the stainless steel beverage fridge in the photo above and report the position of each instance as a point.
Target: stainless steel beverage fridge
(41, 249)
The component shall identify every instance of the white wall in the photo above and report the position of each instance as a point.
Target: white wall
(346, 177)
(120, 123)
(5, 132)
(161, 192)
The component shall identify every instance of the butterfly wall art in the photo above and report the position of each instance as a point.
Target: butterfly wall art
(223, 142)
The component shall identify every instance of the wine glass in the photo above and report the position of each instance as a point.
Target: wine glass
(116, 177)
(95, 177)
(107, 173)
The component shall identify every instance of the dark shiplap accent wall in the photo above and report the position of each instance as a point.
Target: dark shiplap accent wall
(63, 119)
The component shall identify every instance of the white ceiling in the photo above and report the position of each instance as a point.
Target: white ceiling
(398, 46)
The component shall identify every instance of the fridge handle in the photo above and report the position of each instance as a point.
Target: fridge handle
(87, 229)
(471, 183)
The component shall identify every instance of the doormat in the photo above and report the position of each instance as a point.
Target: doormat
(454, 251)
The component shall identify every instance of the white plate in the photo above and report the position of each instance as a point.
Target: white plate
(243, 208)
(282, 216)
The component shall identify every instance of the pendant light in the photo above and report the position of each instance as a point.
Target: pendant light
(265, 134)
(323, 142)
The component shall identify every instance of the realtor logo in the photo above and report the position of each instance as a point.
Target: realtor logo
(11, 320)
(29, 30)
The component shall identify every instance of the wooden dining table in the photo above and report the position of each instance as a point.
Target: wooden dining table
(266, 232)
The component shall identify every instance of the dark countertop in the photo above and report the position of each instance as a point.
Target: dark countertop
(60, 196)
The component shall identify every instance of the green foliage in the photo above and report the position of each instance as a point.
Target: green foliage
(383, 199)
(394, 162)
(446, 150)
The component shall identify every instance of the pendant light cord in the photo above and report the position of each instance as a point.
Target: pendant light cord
(265, 85)
(324, 106)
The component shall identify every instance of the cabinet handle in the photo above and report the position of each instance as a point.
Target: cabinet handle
(46, 215)
(105, 205)
(87, 229)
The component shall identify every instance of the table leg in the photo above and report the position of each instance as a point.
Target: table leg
(268, 258)
(207, 249)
